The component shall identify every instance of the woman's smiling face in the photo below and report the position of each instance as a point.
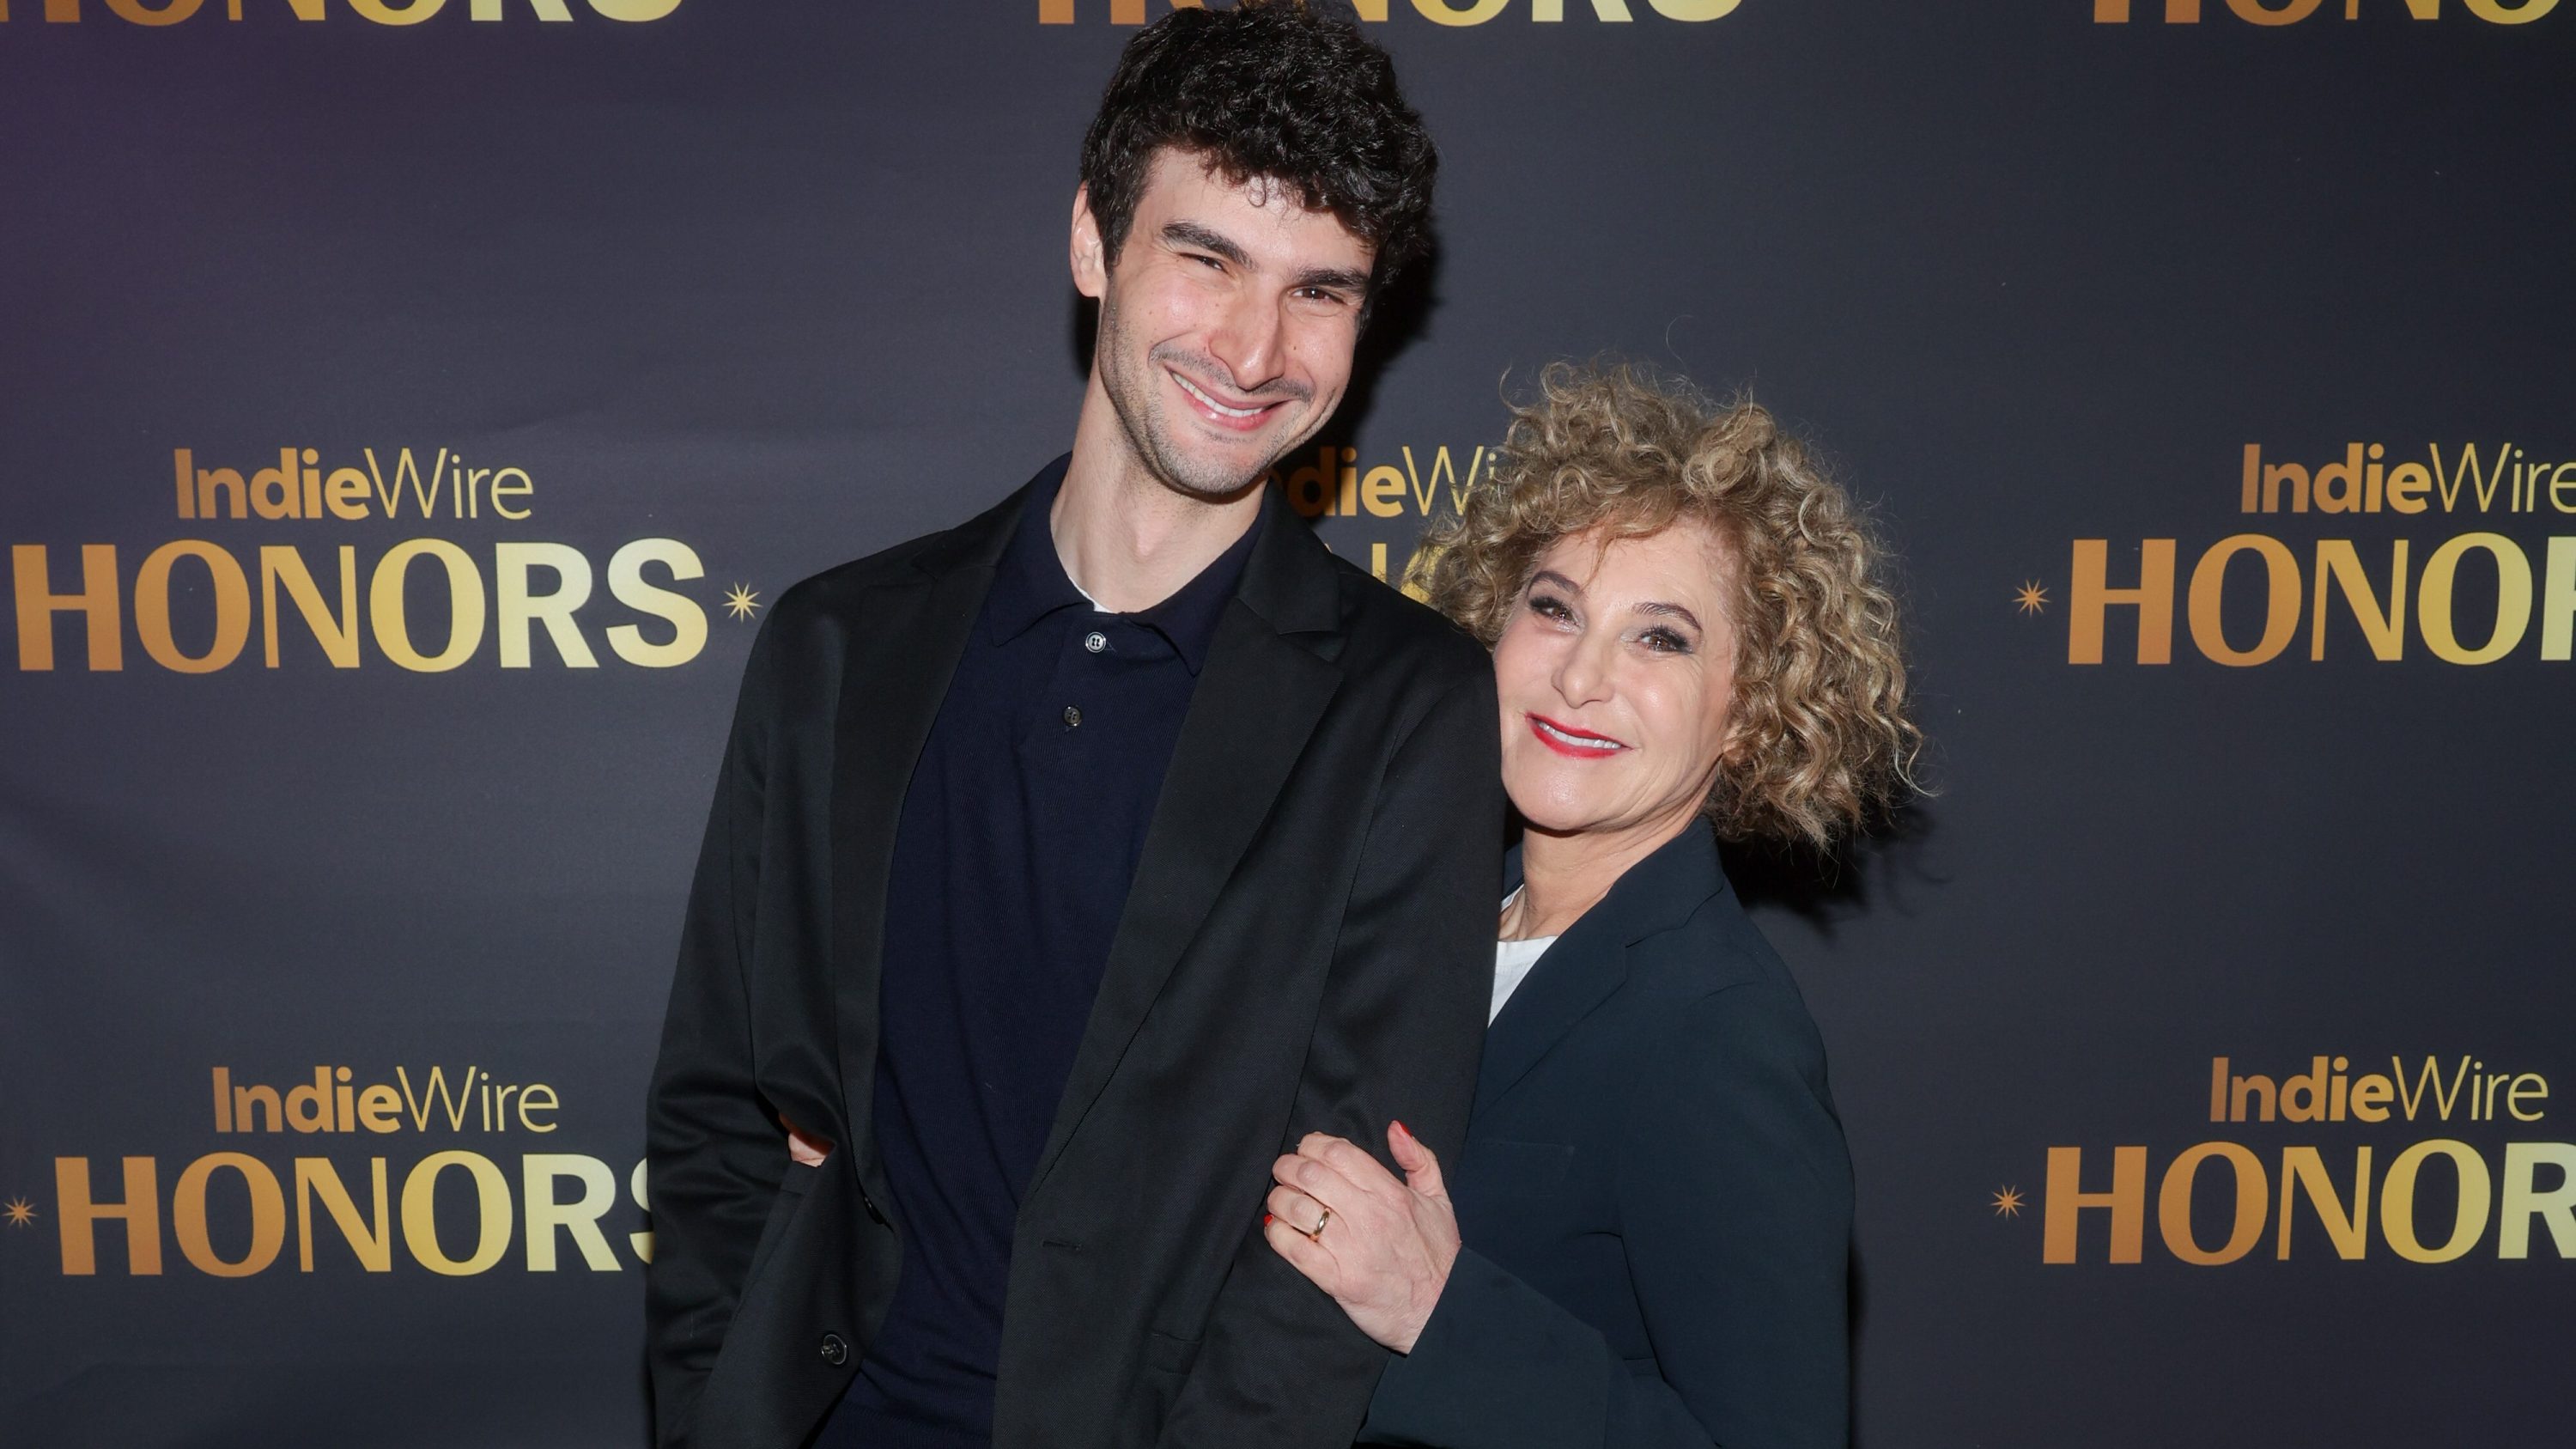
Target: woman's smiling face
(1615, 672)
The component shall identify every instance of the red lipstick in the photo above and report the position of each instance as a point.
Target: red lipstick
(1556, 736)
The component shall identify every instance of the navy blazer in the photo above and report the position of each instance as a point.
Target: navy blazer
(1655, 1197)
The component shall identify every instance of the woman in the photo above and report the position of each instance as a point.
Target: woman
(1688, 630)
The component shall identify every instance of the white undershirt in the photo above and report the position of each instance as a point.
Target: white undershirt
(1512, 963)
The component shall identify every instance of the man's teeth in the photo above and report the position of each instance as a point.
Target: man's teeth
(1213, 404)
(1578, 741)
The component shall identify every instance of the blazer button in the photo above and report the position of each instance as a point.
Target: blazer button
(835, 1351)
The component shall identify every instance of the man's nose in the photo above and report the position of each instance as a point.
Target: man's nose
(1248, 342)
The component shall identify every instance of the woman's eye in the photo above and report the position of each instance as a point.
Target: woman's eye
(1665, 641)
(1549, 608)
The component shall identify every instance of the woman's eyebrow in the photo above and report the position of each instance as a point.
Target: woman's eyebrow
(1551, 576)
(1671, 611)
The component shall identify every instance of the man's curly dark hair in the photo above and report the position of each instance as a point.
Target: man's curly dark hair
(1277, 91)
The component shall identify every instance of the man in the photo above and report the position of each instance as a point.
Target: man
(1067, 867)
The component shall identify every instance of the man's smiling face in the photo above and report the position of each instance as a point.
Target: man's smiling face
(1226, 325)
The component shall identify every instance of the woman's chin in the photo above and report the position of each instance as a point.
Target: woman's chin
(1552, 815)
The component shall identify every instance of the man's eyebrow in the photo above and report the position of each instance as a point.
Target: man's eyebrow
(1191, 234)
(1334, 279)
(1207, 239)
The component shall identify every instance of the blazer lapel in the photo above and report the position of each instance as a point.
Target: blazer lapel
(1590, 961)
(894, 676)
(1257, 701)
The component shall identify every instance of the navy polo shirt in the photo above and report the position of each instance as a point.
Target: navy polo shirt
(1018, 841)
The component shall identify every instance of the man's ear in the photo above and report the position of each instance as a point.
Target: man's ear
(1090, 254)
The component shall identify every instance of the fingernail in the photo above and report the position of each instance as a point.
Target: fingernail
(1400, 1127)
(1265, 1220)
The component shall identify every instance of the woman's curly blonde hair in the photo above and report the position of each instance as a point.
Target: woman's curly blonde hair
(1822, 741)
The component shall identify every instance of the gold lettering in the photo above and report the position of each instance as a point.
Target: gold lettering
(2339, 566)
(1439, 12)
(97, 603)
(2397, 1201)
(152, 607)
(2126, 1201)
(2173, 1203)
(2556, 1207)
(465, 610)
(267, 1215)
(316, 1178)
(2558, 599)
(2091, 597)
(79, 1214)
(420, 1220)
(278, 564)
(2281, 617)
(538, 1171)
(2513, 599)
(688, 621)
(518, 608)
(2289, 12)
(2303, 1169)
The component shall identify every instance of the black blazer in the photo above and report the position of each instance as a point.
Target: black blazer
(1655, 1197)
(1303, 949)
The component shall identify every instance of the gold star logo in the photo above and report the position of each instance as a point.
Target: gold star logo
(2031, 599)
(21, 1212)
(740, 602)
(2007, 1202)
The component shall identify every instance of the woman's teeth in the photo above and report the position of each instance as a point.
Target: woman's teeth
(1580, 742)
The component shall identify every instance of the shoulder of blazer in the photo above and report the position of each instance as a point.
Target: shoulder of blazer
(1381, 629)
(1716, 947)
(837, 594)
(1684, 928)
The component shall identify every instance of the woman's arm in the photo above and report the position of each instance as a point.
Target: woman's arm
(1734, 1197)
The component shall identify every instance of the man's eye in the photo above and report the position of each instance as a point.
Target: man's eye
(1214, 263)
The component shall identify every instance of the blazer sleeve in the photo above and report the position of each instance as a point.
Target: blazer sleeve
(1401, 1026)
(1735, 1206)
(716, 1155)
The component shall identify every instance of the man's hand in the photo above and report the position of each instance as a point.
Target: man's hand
(1380, 1247)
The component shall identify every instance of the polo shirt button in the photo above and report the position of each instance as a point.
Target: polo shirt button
(1095, 641)
(1072, 717)
(836, 1352)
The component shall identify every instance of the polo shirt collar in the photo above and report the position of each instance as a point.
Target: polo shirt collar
(1029, 581)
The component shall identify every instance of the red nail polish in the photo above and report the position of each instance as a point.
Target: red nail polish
(1400, 1127)
(1265, 1220)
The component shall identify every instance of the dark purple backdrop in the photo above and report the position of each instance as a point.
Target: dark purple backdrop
(781, 284)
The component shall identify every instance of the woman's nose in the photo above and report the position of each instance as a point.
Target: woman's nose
(1583, 675)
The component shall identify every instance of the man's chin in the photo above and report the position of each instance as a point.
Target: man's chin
(1216, 477)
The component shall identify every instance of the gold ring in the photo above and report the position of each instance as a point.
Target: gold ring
(1317, 1235)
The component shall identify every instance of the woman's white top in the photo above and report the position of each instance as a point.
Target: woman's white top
(1512, 963)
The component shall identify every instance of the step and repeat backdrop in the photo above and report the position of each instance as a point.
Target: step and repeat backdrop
(408, 409)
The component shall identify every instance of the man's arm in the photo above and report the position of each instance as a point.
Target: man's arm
(1402, 1023)
(716, 1154)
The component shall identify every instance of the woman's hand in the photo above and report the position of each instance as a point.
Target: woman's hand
(1385, 1251)
(804, 1150)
